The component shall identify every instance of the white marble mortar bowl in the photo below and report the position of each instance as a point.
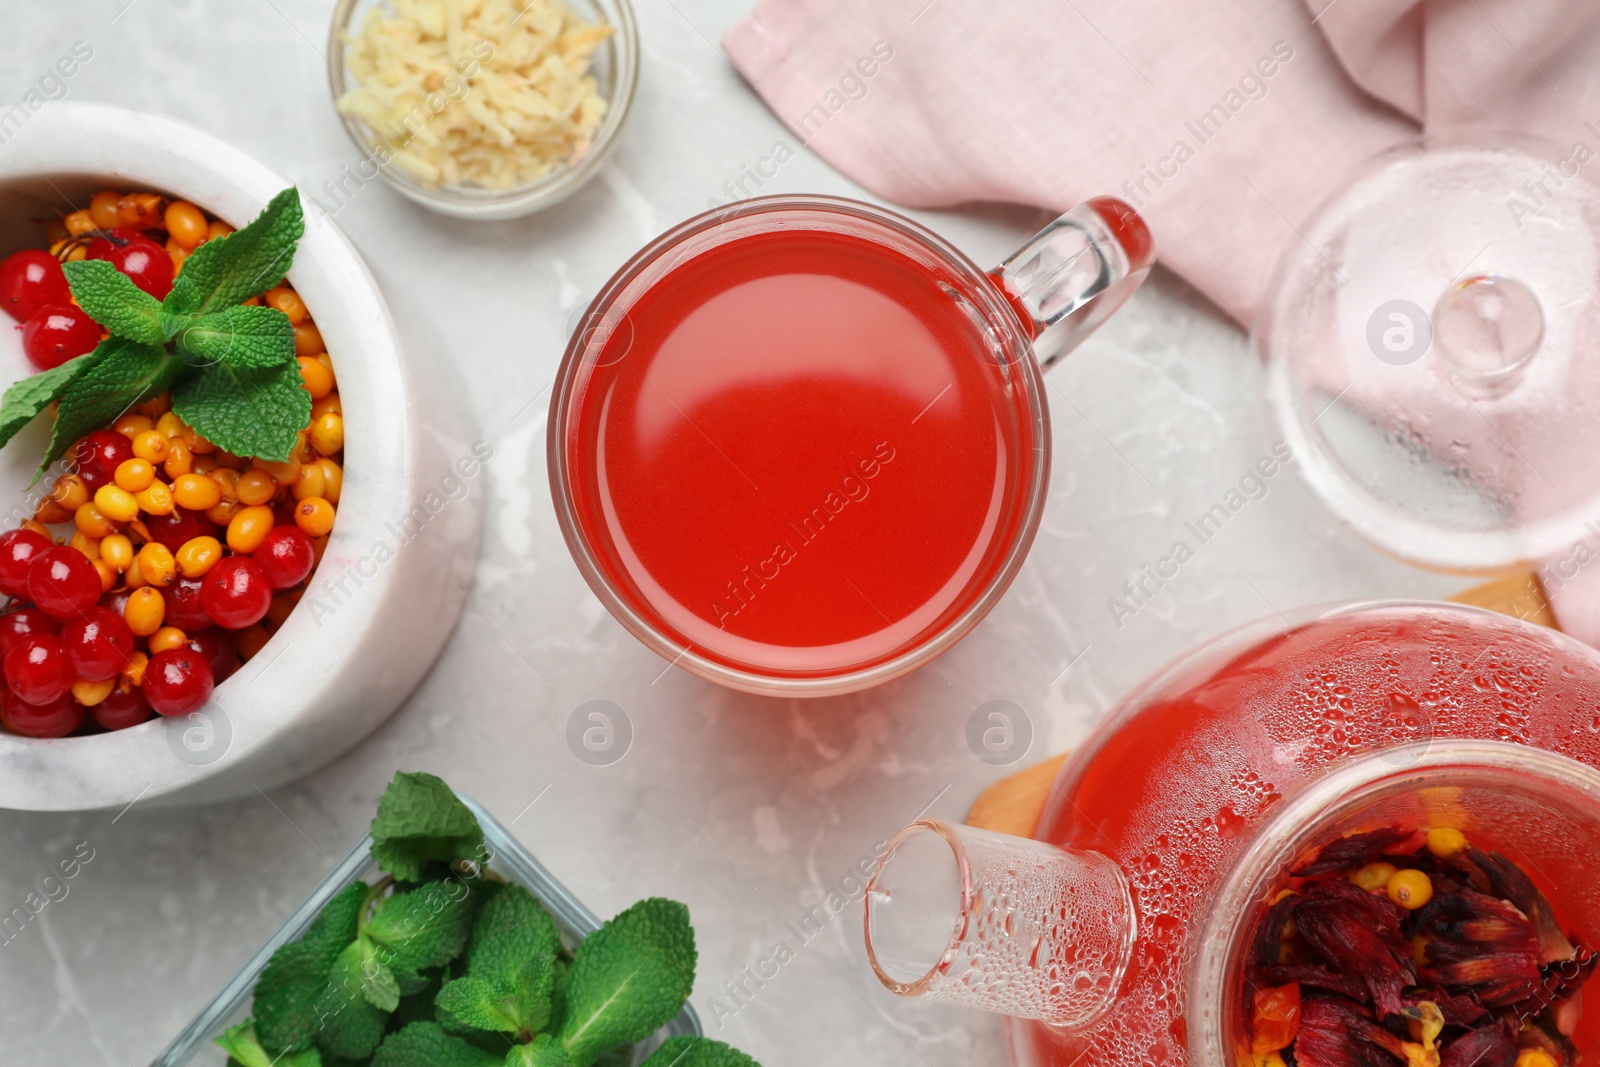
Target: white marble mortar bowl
(381, 604)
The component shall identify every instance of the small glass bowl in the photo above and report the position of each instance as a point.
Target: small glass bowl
(509, 859)
(615, 69)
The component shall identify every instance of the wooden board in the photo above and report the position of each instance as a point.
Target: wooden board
(1014, 804)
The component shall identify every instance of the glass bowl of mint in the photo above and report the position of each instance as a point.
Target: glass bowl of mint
(439, 941)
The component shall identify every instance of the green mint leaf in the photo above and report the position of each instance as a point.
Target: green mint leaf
(421, 929)
(229, 270)
(691, 1051)
(543, 1051)
(558, 995)
(428, 1045)
(286, 993)
(348, 1024)
(243, 336)
(249, 411)
(242, 1047)
(420, 821)
(482, 1004)
(378, 983)
(511, 930)
(123, 374)
(628, 979)
(26, 398)
(111, 299)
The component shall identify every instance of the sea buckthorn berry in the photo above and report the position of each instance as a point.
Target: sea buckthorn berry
(1373, 877)
(169, 425)
(312, 482)
(184, 609)
(116, 551)
(87, 545)
(156, 500)
(116, 503)
(133, 424)
(249, 527)
(308, 339)
(90, 693)
(39, 528)
(49, 513)
(227, 480)
(37, 671)
(217, 228)
(236, 593)
(205, 465)
(92, 521)
(79, 223)
(186, 223)
(1410, 889)
(251, 640)
(286, 556)
(70, 492)
(198, 445)
(228, 461)
(19, 624)
(150, 446)
(283, 605)
(178, 681)
(328, 403)
(301, 452)
(314, 515)
(179, 461)
(98, 456)
(1535, 1057)
(97, 644)
(156, 406)
(57, 718)
(131, 577)
(145, 612)
(283, 473)
(108, 575)
(317, 379)
(18, 550)
(142, 211)
(198, 555)
(1446, 841)
(103, 209)
(133, 674)
(256, 487)
(196, 492)
(63, 583)
(156, 565)
(165, 638)
(121, 709)
(135, 475)
(287, 301)
(223, 512)
(177, 255)
(327, 434)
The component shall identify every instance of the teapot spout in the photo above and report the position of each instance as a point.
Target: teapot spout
(1007, 924)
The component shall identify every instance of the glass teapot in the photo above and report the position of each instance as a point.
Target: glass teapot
(1125, 933)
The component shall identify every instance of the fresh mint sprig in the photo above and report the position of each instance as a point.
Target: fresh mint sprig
(230, 368)
(440, 964)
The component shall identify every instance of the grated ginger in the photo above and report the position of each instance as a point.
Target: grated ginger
(492, 93)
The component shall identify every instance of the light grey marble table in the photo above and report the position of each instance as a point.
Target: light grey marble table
(750, 810)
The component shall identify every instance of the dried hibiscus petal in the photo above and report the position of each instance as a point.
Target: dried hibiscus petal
(1358, 850)
(1317, 977)
(1494, 1045)
(1336, 1033)
(1510, 882)
(1481, 942)
(1359, 936)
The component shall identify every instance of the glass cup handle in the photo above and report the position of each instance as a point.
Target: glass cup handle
(1076, 272)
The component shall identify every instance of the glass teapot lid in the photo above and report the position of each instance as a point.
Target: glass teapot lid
(1430, 339)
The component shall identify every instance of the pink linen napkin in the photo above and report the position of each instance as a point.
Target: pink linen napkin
(1223, 121)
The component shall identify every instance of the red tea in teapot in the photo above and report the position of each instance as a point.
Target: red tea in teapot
(800, 452)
